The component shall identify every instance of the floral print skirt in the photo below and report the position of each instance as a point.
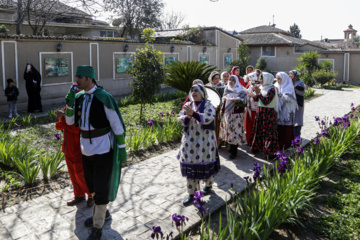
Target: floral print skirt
(232, 129)
(265, 133)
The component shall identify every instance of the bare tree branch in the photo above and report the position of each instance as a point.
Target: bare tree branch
(172, 20)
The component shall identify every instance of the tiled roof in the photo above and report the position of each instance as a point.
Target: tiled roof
(58, 8)
(265, 29)
(277, 39)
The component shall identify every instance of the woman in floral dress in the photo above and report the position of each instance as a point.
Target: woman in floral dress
(198, 154)
(265, 134)
(232, 122)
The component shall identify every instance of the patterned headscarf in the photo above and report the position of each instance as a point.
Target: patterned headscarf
(294, 72)
(222, 78)
(233, 70)
(211, 83)
(201, 90)
(268, 79)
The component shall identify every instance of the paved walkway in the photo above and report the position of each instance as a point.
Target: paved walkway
(151, 191)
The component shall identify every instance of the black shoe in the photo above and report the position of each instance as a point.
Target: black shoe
(232, 156)
(89, 222)
(189, 200)
(95, 234)
(207, 190)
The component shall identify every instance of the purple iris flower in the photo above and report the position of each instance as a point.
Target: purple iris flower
(282, 168)
(300, 150)
(316, 140)
(161, 114)
(172, 112)
(322, 122)
(352, 116)
(257, 171)
(353, 108)
(352, 104)
(324, 133)
(278, 154)
(199, 203)
(179, 220)
(167, 114)
(150, 123)
(57, 136)
(317, 118)
(246, 178)
(156, 232)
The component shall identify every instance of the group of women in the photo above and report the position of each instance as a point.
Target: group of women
(254, 111)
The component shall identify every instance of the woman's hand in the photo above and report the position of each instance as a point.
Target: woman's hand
(257, 89)
(188, 110)
(59, 113)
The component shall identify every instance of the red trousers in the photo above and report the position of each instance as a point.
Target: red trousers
(73, 156)
(76, 172)
(249, 124)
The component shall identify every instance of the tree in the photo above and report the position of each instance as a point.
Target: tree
(171, 20)
(243, 60)
(136, 14)
(308, 64)
(295, 31)
(261, 64)
(148, 71)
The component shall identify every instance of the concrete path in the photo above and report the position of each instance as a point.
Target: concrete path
(152, 190)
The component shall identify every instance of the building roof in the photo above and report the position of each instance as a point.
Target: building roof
(273, 39)
(265, 29)
(174, 32)
(58, 8)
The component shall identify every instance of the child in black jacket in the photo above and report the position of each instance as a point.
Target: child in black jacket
(11, 92)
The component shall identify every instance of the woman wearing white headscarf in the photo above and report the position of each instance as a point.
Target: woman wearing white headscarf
(232, 122)
(198, 154)
(225, 78)
(287, 108)
(214, 82)
(265, 134)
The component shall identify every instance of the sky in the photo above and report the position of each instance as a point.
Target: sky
(315, 18)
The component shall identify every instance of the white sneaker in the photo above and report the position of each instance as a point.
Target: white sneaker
(10, 116)
(17, 115)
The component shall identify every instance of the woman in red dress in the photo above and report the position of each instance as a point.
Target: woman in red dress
(265, 134)
(236, 71)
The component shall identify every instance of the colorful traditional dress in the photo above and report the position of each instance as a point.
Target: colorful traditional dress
(251, 108)
(241, 80)
(219, 87)
(287, 108)
(198, 154)
(232, 122)
(265, 134)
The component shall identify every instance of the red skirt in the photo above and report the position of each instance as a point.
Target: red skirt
(249, 124)
(286, 135)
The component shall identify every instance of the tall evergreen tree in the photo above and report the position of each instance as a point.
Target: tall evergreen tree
(295, 31)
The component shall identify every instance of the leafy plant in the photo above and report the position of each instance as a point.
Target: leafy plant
(309, 92)
(243, 60)
(323, 76)
(261, 64)
(45, 162)
(56, 163)
(148, 72)
(194, 35)
(27, 170)
(326, 65)
(308, 63)
(180, 75)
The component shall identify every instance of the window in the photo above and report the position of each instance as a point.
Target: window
(108, 34)
(268, 51)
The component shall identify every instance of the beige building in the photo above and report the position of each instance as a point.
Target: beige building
(57, 57)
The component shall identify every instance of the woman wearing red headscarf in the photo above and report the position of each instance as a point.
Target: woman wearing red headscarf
(236, 71)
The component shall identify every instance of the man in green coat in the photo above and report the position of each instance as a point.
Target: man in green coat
(102, 140)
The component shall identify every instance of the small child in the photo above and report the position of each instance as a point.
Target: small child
(11, 92)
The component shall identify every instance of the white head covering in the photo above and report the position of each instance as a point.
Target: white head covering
(268, 79)
(222, 78)
(236, 91)
(201, 90)
(286, 87)
(212, 84)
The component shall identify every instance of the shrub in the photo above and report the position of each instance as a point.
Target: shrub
(308, 63)
(243, 60)
(193, 35)
(148, 71)
(326, 65)
(261, 64)
(180, 75)
(322, 76)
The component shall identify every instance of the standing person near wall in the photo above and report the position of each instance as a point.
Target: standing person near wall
(11, 92)
(73, 158)
(33, 87)
(265, 129)
(287, 108)
(299, 87)
(232, 122)
(198, 154)
(102, 139)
